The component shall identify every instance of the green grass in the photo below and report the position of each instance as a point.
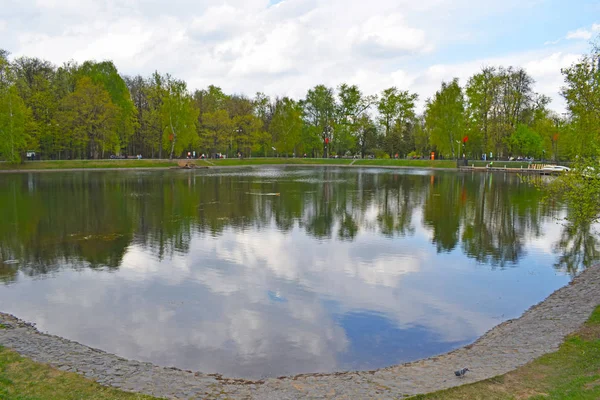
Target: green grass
(76, 164)
(23, 379)
(276, 161)
(573, 372)
(409, 163)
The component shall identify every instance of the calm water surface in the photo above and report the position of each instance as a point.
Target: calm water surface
(267, 272)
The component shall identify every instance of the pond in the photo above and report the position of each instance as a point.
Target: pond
(261, 272)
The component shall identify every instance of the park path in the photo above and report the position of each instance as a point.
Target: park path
(506, 347)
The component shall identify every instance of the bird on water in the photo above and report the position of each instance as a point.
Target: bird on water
(461, 372)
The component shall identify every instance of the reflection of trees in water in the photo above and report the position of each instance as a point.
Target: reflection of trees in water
(493, 227)
(442, 211)
(90, 219)
(578, 247)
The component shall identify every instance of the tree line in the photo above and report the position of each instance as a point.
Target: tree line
(91, 111)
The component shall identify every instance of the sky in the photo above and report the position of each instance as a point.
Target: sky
(285, 47)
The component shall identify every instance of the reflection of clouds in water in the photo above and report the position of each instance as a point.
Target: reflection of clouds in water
(366, 275)
(156, 311)
(209, 332)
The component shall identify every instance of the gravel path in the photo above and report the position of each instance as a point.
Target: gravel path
(512, 344)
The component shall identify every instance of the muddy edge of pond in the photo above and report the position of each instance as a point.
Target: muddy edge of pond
(540, 330)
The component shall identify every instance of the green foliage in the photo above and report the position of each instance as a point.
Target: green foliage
(14, 116)
(445, 118)
(320, 114)
(106, 75)
(217, 126)
(396, 107)
(580, 190)
(582, 94)
(526, 142)
(178, 116)
(367, 136)
(286, 126)
(87, 119)
(381, 154)
(499, 99)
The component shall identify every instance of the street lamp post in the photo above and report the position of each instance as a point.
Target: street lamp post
(458, 152)
(231, 142)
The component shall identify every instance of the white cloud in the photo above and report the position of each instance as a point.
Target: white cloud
(281, 49)
(580, 34)
(388, 36)
(584, 33)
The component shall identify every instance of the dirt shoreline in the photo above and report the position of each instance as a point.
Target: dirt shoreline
(540, 330)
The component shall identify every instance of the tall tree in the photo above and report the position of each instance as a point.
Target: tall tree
(396, 107)
(216, 128)
(87, 117)
(481, 90)
(582, 94)
(106, 74)
(445, 116)
(352, 104)
(286, 125)
(179, 117)
(320, 114)
(14, 115)
(366, 135)
(396, 114)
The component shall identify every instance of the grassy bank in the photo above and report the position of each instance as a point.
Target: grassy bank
(409, 163)
(78, 164)
(23, 379)
(573, 372)
(275, 161)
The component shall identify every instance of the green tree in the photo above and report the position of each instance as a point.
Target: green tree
(216, 128)
(320, 114)
(396, 114)
(582, 94)
(421, 135)
(396, 107)
(445, 118)
(106, 74)
(87, 119)
(178, 116)
(481, 92)
(286, 125)
(352, 105)
(526, 142)
(366, 135)
(14, 115)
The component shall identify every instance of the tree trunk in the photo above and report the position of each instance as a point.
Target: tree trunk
(174, 138)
